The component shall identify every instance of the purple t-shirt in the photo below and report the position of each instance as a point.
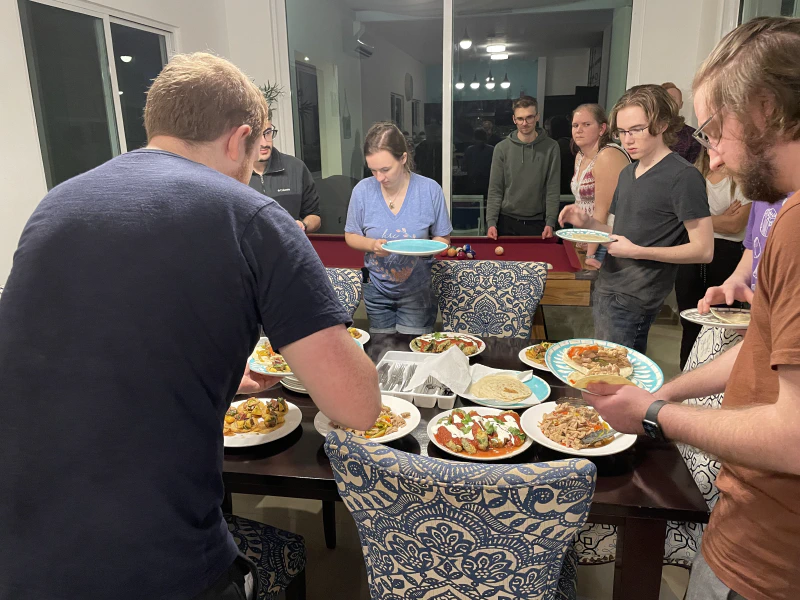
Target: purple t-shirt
(762, 216)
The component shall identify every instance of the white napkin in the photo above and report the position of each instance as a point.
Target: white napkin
(480, 371)
(450, 368)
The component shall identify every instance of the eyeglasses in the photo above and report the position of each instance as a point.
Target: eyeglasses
(529, 120)
(703, 138)
(270, 132)
(634, 133)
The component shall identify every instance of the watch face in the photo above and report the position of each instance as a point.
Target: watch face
(652, 429)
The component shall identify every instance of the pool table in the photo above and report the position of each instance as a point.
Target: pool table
(568, 282)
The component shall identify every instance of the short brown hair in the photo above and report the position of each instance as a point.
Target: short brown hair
(599, 115)
(385, 135)
(525, 102)
(198, 97)
(659, 107)
(759, 57)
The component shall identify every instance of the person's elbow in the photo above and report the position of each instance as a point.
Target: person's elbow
(706, 254)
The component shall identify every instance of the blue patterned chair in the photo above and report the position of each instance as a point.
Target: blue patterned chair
(347, 285)
(683, 539)
(280, 556)
(489, 297)
(462, 531)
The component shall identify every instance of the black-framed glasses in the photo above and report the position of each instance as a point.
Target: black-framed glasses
(529, 120)
(270, 133)
(634, 132)
(702, 137)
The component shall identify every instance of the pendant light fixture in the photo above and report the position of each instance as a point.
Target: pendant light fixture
(475, 84)
(505, 84)
(465, 42)
(460, 83)
(490, 81)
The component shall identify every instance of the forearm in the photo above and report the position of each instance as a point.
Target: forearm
(744, 270)
(726, 224)
(493, 202)
(685, 254)
(442, 238)
(313, 223)
(758, 437)
(706, 380)
(359, 242)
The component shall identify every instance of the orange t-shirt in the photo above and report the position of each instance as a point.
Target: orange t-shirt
(753, 538)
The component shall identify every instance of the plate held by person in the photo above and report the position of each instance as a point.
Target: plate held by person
(412, 247)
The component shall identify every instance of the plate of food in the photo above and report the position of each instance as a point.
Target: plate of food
(479, 433)
(504, 390)
(722, 317)
(398, 418)
(257, 421)
(533, 356)
(591, 236)
(359, 335)
(266, 361)
(580, 362)
(561, 427)
(414, 247)
(441, 341)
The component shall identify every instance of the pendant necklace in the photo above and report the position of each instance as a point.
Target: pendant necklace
(391, 202)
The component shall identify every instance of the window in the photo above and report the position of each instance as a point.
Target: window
(88, 107)
(749, 9)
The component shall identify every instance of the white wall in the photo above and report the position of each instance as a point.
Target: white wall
(566, 71)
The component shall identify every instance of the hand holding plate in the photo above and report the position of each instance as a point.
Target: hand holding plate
(622, 247)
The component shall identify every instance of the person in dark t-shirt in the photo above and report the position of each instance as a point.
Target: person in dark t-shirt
(660, 219)
(135, 297)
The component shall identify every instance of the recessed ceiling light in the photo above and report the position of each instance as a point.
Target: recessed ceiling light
(306, 59)
(495, 48)
(126, 58)
(502, 56)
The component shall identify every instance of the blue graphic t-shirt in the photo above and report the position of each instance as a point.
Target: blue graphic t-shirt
(422, 216)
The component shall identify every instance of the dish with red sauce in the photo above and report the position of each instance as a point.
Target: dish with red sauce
(479, 433)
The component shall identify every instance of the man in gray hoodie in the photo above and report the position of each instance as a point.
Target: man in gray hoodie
(524, 182)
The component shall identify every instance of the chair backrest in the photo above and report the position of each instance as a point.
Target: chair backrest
(347, 285)
(494, 298)
(438, 529)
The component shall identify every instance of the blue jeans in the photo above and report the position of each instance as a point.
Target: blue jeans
(618, 320)
(413, 313)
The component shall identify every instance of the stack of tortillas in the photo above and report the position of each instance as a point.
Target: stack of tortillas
(506, 388)
(734, 318)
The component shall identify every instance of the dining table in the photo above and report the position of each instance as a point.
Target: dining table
(637, 490)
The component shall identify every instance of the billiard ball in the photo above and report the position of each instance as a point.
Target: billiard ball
(451, 252)
(499, 251)
(467, 248)
(470, 255)
(444, 252)
(461, 254)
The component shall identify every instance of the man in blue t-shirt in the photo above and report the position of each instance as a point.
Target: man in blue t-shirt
(135, 297)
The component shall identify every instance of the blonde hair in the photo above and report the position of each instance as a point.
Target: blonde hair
(385, 135)
(198, 97)
(757, 58)
(659, 108)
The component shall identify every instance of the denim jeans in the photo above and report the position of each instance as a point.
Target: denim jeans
(413, 313)
(705, 585)
(618, 320)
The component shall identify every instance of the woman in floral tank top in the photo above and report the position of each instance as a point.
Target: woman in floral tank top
(597, 168)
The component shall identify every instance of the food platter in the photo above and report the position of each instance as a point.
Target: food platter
(503, 453)
(292, 419)
(397, 405)
(441, 341)
(532, 418)
(523, 356)
(540, 391)
(585, 236)
(265, 360)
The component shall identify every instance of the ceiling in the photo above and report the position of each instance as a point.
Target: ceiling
(527, 35)
(433, 8)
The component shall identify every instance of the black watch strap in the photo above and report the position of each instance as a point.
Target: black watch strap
(305, 227)
(650, 421)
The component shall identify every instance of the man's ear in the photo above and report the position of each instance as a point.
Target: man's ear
(237, 142)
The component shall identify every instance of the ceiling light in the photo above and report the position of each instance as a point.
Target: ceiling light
(475, 85)
(121, 92)
(126, 58)
(502, 56)
(306, 59)
(505, 84)
(465, 42)
(490, 82)
(460, 83)
(496, 48)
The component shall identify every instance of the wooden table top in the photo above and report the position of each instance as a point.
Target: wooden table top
(649, 481)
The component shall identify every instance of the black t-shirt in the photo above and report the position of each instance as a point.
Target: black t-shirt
(650, 211)
(288, 181)
(134, 300)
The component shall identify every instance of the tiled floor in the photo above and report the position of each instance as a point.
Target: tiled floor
(346, 562)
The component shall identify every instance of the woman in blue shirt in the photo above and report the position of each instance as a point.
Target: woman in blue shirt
(395, 204)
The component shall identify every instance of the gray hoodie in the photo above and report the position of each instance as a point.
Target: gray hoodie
(525, 180)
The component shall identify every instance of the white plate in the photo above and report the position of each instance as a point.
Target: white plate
(398, 406)
(298, 389)
(530, 425)
(569, 234)
(481, 411)
(258, 367)
(364, 336)
(693, 316)
(529, 362)
(415, 247)
(292, 421)
(481, 343)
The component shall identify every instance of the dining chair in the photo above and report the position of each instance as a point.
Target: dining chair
(489, 298)
(433, 528)
(347, 285)
(279, 555)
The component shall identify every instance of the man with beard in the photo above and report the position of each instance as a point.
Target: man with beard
(135, 298)
(286, 180)
(747, 97)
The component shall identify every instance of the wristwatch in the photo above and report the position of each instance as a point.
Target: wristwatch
(305, 227)
(650, 421)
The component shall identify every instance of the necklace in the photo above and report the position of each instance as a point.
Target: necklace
(391, 201)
